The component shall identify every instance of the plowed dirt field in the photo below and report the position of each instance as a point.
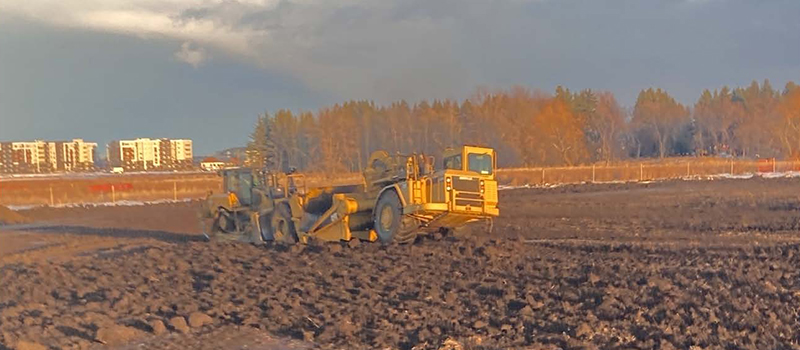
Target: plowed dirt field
(672, 265)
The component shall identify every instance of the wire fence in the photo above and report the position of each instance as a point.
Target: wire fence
(642, 171)
(110, 189)
(103, 188)
(141, 188)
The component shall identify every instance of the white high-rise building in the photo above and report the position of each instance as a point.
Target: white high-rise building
(181, 150)
(46, 156)
(148, 154)
(74, 155)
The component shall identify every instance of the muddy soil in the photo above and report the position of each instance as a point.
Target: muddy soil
(70, 233)
(676, 265)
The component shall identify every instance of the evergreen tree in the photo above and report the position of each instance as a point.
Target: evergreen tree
(659, 121)
(261, 150)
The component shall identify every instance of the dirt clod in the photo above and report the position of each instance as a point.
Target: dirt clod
(116, 334)
(451, 344)
(178, 323)
(157, 326)
(583, 330)
(26, 345)
(199, 319)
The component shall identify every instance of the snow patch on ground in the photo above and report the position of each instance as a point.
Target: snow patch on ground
(788, 174)
(731, 176)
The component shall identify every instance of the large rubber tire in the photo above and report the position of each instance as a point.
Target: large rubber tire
(222, 227)
(224, 222)
(389, 222)
(282, 226)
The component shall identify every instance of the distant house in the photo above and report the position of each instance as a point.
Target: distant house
(211, 164)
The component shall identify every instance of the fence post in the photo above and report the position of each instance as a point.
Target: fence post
(52, 202)
(774, 168)
(688, 169)
(593, 173)
(113, 194)
(731, 166)
(641, 172)
(175, 191)
(543, 182)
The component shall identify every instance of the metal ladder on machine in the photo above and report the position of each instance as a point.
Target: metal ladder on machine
(412, 171)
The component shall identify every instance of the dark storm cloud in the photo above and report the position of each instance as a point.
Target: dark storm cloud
(416, 49)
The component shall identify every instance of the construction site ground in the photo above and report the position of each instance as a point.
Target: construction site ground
(669, 265)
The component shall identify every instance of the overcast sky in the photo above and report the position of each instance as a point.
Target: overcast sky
(109, 69)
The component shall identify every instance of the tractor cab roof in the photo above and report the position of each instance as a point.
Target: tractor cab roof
(466, 149)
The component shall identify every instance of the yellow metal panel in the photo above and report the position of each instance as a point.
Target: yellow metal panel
(336, 231)
(490, 194)
(370, 235)
(296, 207)
(434, 207)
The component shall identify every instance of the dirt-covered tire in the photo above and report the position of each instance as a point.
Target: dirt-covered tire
(408, 231)
(389, 222)
(224, 222)
(221, 227)
(282, 226)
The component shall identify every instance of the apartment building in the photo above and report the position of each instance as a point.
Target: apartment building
(150, 154)
(30, 157)
(176, 154)
(75, 155)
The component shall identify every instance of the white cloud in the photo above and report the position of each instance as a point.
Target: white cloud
(191, 55)
(143, 18)
(349, 48)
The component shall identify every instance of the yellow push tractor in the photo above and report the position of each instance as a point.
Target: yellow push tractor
(399, 199)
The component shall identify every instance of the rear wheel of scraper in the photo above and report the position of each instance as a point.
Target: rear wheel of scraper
(389, 222)
(283, 229)
(409, 230)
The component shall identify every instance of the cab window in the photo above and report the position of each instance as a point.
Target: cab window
(231, 182)
(244, 192)
(258, 180)
(480, 163)
(246, 181)
(453, 162)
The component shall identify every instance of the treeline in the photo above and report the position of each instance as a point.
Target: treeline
(532, 128)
